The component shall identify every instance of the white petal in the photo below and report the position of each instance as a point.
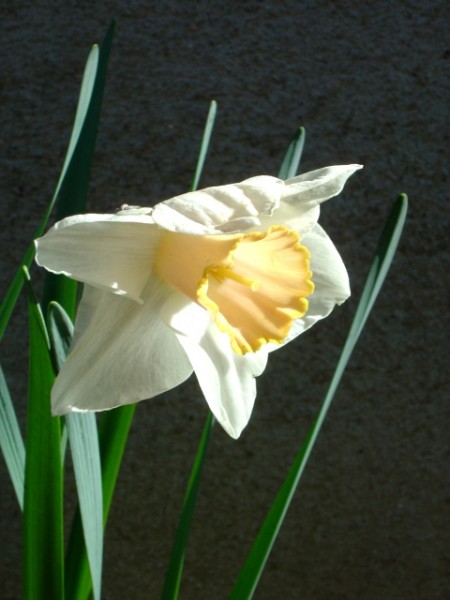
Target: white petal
(300, 217)
(330, 278)
(122, 353)
(227, 380)
(215, 208)
(301, 196)
(107, 251)
(319, 185)
(240, 224)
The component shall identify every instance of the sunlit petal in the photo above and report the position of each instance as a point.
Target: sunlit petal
(299, 216)
(107, 251)
(299, 205)
(220, 208)
(319, 185)
(122, 352)
(227, 379)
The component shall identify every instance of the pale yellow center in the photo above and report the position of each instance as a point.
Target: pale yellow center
(254, 285)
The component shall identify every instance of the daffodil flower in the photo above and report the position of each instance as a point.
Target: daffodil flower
(210, 281)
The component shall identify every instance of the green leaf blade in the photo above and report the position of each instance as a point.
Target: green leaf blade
(113, 433)
(60, 330)
(12, 294)
(291, 162)
(71, 189)
(172, 582)
(11, 441)
(384, 256)
(83, 439)
(84, 446)
(43, 509)
(207, 133)
(83, 104)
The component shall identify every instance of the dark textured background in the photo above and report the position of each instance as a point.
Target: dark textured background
(370, 84)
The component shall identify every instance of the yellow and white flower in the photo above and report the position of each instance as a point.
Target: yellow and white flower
(209, 281)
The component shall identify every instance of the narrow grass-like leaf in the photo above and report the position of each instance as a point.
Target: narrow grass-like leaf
(63, 443)
(83, 439)
(387, 246)
(60, 331)
(253, 567)
(43, 512)
(113, 434)
(291, 162)
(172, 581)
(11, 441)
(91, 75)
(73, 191)
(77, 162)
(205, 144)
(83, 105)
